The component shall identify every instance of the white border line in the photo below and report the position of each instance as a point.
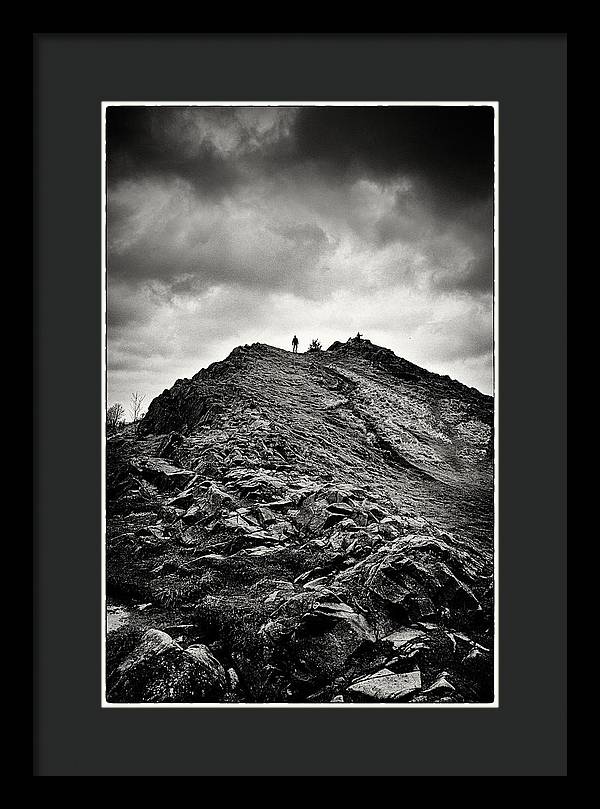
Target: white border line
(103, 276)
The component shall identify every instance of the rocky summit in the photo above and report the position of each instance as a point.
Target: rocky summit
(303, 528)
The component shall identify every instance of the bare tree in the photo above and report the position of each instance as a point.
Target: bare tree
(315, 345)
(114, 417)
(137, 400)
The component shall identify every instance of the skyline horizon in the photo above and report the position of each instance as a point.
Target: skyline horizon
(125, 398)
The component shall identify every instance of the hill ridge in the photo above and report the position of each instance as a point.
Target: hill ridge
(348, 490)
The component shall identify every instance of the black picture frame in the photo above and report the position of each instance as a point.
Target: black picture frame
(73, 74)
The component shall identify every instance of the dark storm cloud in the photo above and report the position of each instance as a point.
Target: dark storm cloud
(441, 156)
(214, 149)
(476, 276)
(147, 141)
(450, 149)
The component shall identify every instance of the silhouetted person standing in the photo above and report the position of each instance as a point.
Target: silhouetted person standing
(294, 344)
(358, 336)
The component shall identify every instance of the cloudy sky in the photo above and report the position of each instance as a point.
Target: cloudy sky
(230, 225)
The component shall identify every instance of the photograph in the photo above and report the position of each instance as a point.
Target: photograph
(300, 386)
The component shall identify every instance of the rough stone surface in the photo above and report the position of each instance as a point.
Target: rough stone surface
(311, 521)
(386, 685)
(160, 670)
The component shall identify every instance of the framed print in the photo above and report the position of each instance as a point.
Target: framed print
(300, 522)
(295, 511)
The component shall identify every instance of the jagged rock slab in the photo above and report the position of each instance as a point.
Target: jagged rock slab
(441, 687)
(401, 637)
(386, 686)
(163, 474)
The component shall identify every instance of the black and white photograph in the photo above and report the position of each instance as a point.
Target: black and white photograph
(300, 388)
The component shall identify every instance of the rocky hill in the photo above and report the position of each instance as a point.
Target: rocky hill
(303, 528)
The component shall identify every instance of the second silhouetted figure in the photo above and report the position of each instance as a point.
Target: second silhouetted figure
(295, 344)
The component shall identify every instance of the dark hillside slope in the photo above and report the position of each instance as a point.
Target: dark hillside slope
(319, 525)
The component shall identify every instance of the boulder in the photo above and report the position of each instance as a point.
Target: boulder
(183, 500)
(311, 515)
(361, 519)
(340, 508)
(338, 495)
(400, 637)
(210, 465)
(324, 638)
(313, 634)
(431, 649)
(245, 516)
(316, 584)
(192, 515)
(386, 685)
(170, 444)
(217, 499)
(160, 670)
(264, 515)
(477, 660)
(332, 520)
(210, 671)
(419, 606)
(441, 687)
(232, 524)
(359, 543)
(164, 475)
